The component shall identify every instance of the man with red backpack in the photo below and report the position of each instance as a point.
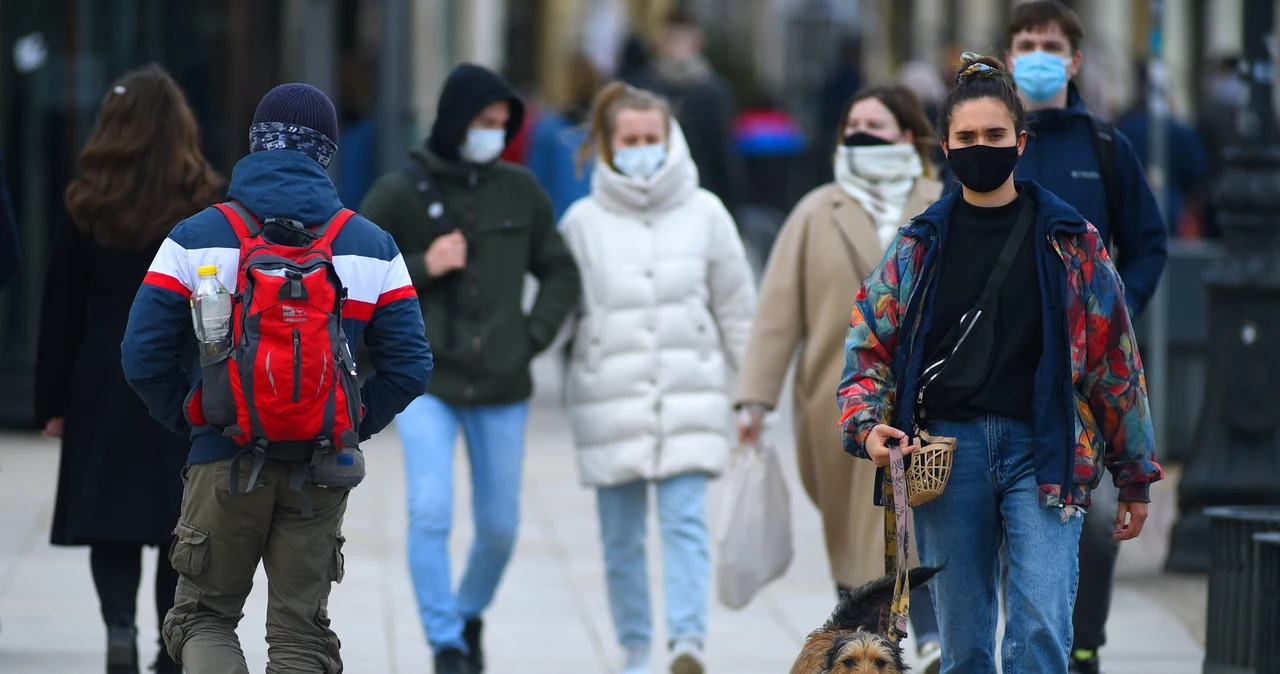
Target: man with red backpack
(274, 410)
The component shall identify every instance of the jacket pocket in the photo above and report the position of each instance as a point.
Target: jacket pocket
(338, 565)
(705, 337)
(189, 552)
(588, 344)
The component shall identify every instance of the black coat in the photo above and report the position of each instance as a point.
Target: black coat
(120, 473)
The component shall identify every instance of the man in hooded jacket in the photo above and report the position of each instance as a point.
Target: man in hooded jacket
(470, 227)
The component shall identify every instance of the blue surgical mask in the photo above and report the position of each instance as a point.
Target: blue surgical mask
(483, 145)
(1040, 75)
(640, 162)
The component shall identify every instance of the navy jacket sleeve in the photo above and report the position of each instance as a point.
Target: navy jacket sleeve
(10, 251)
(154, 343)
(1141, 237)
(398, 347)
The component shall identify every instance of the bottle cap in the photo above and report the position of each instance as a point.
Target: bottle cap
(207, 270)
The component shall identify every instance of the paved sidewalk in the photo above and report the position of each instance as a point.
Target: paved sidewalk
(551, 614)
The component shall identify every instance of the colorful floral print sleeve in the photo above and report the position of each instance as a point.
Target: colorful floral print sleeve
(1107, 371)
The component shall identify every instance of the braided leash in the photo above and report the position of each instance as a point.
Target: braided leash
(893, 619)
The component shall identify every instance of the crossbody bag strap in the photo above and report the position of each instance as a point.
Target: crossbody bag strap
(1017, 236)
(897, 540)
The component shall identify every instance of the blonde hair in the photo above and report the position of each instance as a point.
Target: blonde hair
(611, 100)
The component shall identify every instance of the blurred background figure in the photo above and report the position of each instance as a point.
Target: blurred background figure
(701, 101)
(557, 135)
(119, 479)
(925, 81)
(844, 81)
(10, 249)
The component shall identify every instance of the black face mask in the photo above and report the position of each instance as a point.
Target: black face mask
(983, 168)
(864, 139)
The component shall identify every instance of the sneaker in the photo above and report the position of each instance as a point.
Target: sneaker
(637, 660)
(122, 649)
(475, 649)
(452, 661)
(1084, 662)
(686, 658)
(930, 659)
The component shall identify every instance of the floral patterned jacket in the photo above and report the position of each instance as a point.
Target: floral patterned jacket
(1090, 393)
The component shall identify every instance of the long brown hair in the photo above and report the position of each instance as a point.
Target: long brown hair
(906, 110)
(141, 171)
(604, 113)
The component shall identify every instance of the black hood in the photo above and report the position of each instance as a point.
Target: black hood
(469, 89)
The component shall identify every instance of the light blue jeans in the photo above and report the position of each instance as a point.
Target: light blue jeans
(495, 448)
(686, 557)
(992, 499)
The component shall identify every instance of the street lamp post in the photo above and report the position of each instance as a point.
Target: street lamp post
(1235, 459)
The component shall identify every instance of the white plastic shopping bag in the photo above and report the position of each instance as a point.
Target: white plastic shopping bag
(754, 533)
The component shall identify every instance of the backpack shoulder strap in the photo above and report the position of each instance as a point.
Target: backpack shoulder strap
(1103, 136)
(242, 221)
(429, 195)
(328, 231)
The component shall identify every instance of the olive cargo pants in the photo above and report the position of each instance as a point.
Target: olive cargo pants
(219, 539)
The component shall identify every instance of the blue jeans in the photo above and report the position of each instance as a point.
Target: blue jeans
(495, 449)
(686, 557)
(992, 499)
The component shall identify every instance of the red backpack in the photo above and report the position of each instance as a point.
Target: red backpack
(287, 388)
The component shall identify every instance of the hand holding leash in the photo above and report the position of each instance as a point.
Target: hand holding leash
(881, 437)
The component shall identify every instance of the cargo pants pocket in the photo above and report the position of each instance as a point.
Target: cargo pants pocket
(189, 552)
(337, 567)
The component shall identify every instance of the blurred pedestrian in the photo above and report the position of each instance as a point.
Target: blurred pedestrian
(280, 501)
(924, 81)
(558, 134)
(702, 103)
(119, 478)
(10, 247)
(471, 227)
(1093, 167)
(667, 303)
(1035, 377)
(833, 239)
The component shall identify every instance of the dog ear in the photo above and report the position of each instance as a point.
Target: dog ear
(860, 607)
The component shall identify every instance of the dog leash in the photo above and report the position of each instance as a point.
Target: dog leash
(893, 618)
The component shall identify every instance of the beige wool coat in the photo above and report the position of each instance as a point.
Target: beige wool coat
(825, 250)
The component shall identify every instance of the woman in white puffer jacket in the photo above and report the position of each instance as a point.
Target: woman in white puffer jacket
(667, 305)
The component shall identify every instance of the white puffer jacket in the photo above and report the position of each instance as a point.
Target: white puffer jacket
(667, 294)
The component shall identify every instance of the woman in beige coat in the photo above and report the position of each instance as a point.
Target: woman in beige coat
(832, 240)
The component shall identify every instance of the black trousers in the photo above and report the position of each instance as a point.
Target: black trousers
(1098, 555)
(117, 573)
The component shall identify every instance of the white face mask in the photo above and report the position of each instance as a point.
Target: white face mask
(483, 145)
(640, 162)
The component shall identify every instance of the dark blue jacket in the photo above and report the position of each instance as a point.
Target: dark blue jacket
(10, 250)
(381, 304)
(1060, 157)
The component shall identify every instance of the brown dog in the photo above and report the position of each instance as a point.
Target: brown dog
(849, 642)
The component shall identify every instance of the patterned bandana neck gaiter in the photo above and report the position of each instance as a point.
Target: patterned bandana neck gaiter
(281, 136)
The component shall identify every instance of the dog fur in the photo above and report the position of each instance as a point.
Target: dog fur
(849, 642)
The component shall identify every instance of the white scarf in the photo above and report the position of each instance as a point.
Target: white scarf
(880, 178)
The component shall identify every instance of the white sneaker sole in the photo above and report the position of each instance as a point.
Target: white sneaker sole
(686, 663)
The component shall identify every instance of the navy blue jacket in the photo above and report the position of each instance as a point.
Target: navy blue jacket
(1060, 157)
(381, 304)
(10, 251)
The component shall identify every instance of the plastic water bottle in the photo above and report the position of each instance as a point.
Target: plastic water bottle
(211, 312)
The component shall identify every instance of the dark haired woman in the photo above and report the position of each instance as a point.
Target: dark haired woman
(1038, 379)
(832, 240)
(119, 480)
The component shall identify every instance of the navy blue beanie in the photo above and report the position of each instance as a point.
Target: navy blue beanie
(300, 104)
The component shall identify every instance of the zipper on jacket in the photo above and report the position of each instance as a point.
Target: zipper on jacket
(297, 365)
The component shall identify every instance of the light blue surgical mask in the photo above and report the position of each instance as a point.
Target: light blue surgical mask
(1040, 75)
(483, 145)
(640, 162)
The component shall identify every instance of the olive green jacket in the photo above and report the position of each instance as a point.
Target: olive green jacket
(480, 337)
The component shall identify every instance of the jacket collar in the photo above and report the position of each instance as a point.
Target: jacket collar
(457, 169)
(1060, 215)
(284, 184)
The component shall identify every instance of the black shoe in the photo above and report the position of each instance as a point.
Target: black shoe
(452, 661)
(475, 649)
(1084, 662)
(122, 649)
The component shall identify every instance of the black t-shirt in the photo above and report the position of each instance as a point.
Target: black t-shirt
(974, 241)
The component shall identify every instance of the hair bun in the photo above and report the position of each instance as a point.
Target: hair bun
(977, 66)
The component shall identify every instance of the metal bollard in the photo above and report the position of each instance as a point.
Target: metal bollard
(1230, 643)
(1266, 581)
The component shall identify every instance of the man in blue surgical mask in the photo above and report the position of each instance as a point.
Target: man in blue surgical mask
(470, 227)
(1094, 168)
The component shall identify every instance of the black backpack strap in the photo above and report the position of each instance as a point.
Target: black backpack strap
(1017, 236)
(1103, 136)
(429, 195)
